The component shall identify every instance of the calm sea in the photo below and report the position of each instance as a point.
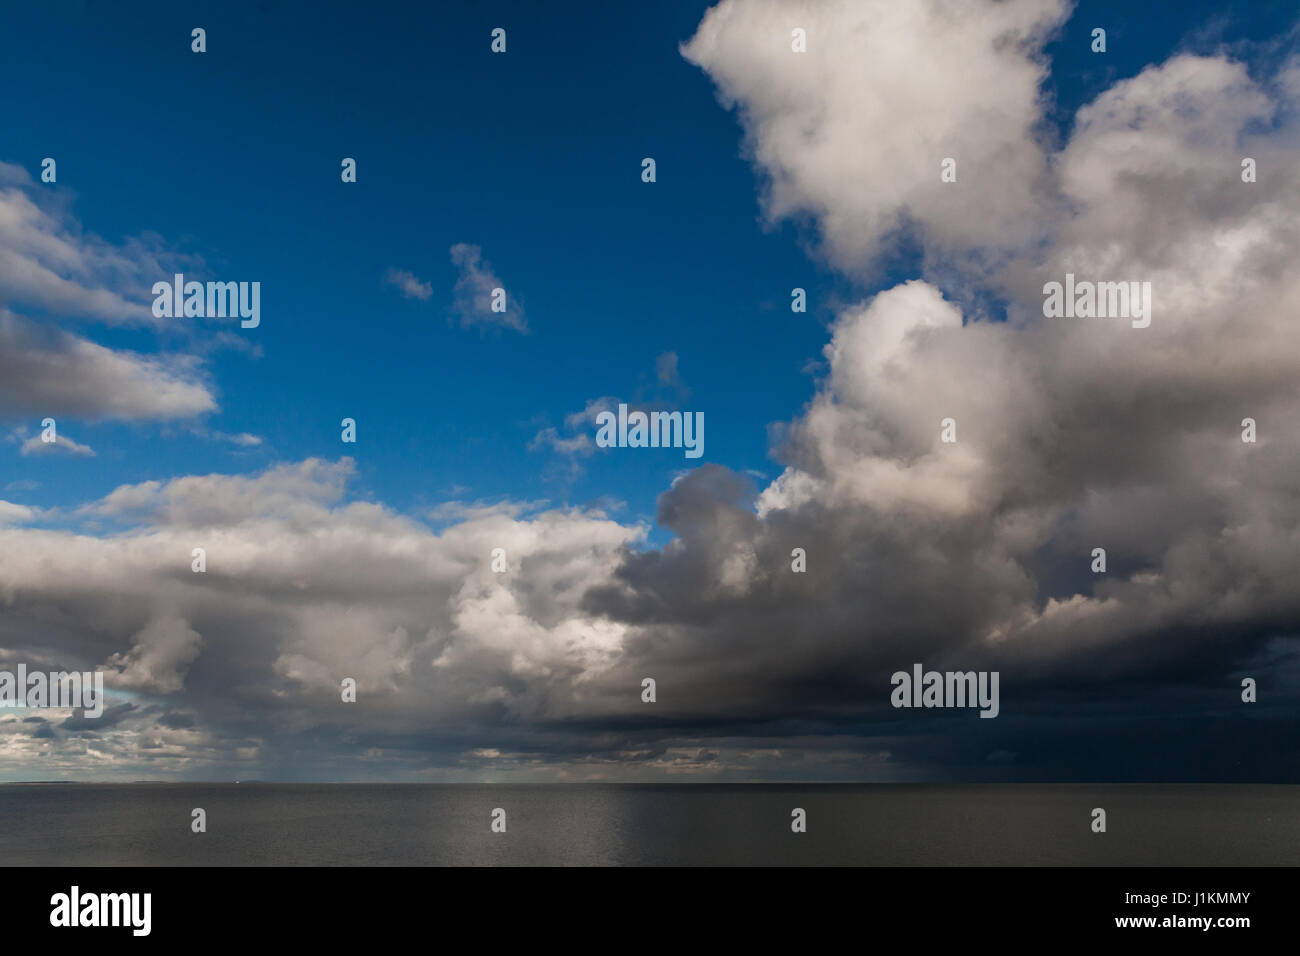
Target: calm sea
(745, 824)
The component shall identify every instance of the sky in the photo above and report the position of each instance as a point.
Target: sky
(476, 430)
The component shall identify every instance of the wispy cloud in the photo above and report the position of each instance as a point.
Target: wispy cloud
(243, 439)
(550, 438)
(38, 446)
(410, 285)
(50, 264)
(474, 292)
(47, 261)
(576, 439)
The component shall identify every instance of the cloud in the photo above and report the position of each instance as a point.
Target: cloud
(46, 372)
(975, 555)
(36, 445)
(851, 134)
(48, 262)
(1072, 434)
(11, 174)
(159, 656)
(474, 292)
(412, 288)
(460, 510)
(586, 417)
(667, 392)
(297, 492)
(243, 439)
(551, 439)
(11, 513)
(302, 590)
(666, 370)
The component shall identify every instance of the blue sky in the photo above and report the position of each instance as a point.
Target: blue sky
(534, 156)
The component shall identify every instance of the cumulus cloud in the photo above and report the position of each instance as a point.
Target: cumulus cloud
(303, 589)
(852, 133)
(1071, 434)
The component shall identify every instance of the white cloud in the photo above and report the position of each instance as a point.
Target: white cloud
(1071, 433)
(55, 373)
(243, 439)
(550, 438)
(299, 492)
(302, 590)
(474, 292)
(11, 513)
(412, 287)
(36, 445)
(852, 133)
(48, 261)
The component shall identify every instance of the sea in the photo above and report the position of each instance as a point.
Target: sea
(319, 825)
